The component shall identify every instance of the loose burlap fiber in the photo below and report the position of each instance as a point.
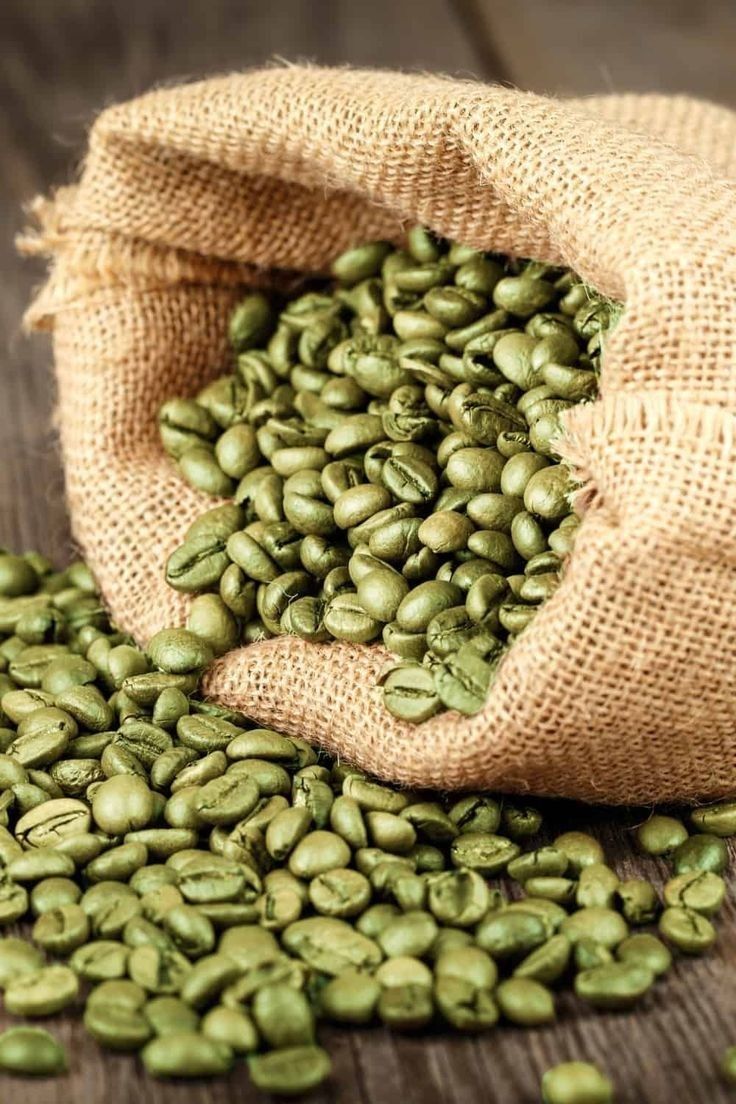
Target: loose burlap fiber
(624, 687)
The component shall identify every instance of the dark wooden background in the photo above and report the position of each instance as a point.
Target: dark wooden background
(60, 62)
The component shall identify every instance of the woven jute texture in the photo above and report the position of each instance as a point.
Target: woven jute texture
(624, 688)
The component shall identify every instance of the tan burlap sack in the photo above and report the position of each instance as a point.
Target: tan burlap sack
(624, 687)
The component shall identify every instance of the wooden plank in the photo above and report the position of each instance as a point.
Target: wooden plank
(592, 46)
(60, 61)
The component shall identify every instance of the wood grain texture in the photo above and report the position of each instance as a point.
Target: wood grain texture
(578, 47)
(60, 61)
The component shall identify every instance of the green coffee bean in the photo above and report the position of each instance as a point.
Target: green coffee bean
(158, 970)
(41, 993)
(45, 825)
(616, 985)
(645, 950)
(169, 1015)
(476, 813)
(661, 835)
(197, 564)
(115, 1024)
(463, 677)
(525, 1001)
(122, 804)
(283, 1016)
(340, 893)
(232, 1027)
(409, 692)
(16, 959)
(700, 852)
(460, 898)
(576, 1083)
(346, 619)
(639, 901)
(43, 862)
(61, 929)
(482, 851)
(290, 1071)
(597, 886)
(546, 862)
(186, 1054)
(716, 820)
(728, 1065)
(581, 849)
(465, 1006)
(207, 978)
(510, 934)
(118, 864)
(686, 930)
(548, 962)
(603, 925)
(318, 852)
(31, 1051)
(330, 945)
(405, 1008)
(700, 890)
(101, 960)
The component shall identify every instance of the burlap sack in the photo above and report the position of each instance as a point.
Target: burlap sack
(623, 689)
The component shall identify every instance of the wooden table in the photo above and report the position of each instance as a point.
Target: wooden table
(60, 61)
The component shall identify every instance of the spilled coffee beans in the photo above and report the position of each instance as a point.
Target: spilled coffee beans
(212, 892)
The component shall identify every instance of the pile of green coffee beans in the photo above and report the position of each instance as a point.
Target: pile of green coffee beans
(212, 890)
(389, 446)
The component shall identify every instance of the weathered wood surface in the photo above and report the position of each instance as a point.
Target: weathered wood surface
(60, 61)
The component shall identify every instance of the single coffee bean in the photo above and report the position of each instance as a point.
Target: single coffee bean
(581, 850)
(207, 978)
(525, 1001)
(291, 1071)
(232, 1027)
(330, 945)
(576, 1083)
(548, 962)
(728, 1065)
(114, 1023)
(186, 1054)
(462, 679)
(484, 852)
(645, 950)
(510, 934)
(409, 692)
(158, 970)
(686, 930)
(100, 960)
(700, 890)
(701, 852)
(42, 993)
(61, 929)
(460, 898)
(716, 820)
(42, 862)
(16, 959)
(661, 835)
(616, 985)
(639, 901)
(122, 804)
(31, 1051)
(45, 825)
(168, 1015)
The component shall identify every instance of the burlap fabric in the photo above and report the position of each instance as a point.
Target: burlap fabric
(624, 687)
